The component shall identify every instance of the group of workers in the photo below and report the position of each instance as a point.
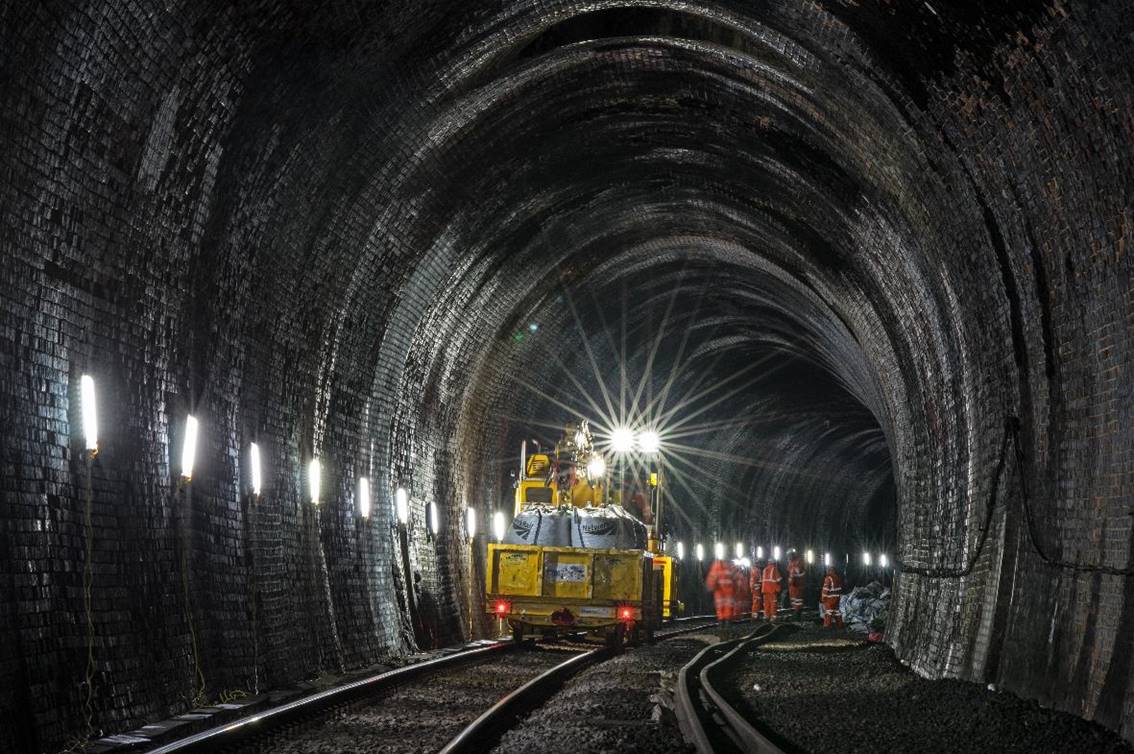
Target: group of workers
(733, 589)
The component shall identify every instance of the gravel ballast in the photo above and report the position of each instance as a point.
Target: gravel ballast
(608, 708)
(418, 716)
(826, 691)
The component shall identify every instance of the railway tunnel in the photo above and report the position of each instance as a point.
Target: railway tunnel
(862, 265)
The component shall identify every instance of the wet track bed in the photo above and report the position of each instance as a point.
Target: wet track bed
(820, 691)
(417, 716)
(612, 707)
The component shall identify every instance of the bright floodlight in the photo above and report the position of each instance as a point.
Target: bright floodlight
(189, 448)
(498, 525)
(434, 518)
(596, 468)
(401, 505)
(700, 550)
(90, 412)
(649, 441)
(739, 549)
(759, 552)
(745, 562)
(826, 558)
(364, 497)
(882, 560)
(622, 440)
(254, 467)
(866, 558)
(776, 552)
(314, 471)
(809, 557)
(681, 551)
(470, 522)
(718, 550)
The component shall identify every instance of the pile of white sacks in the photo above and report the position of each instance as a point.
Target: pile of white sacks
(864, 609)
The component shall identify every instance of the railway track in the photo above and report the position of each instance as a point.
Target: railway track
(461, 702)
(707, 720)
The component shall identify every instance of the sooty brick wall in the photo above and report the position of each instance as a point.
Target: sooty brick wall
(840, 246)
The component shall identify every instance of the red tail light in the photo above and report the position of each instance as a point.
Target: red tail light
(627, 613)
(501, 607)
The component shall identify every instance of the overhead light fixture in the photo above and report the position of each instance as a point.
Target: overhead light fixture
(622, 440)
(681, 551)
(90, 411)
(470, 522)
(364, 497)
(718, 550)
(809, 557)
(866, 558)
(401, 505)
(596, 468)
(700, 550)
(776, 552)
(434, 518)
(759, 552)
(882, 561)
(314, 471)
(189, 447)
(498, 525)
(254, 467)
(826, 558)
(649, 441)
(740, 549)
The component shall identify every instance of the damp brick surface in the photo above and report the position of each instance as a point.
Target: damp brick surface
(891, 230)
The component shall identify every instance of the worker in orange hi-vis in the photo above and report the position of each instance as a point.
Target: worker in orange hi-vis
(770, 588)
(754, 588)
(721, 581)
(795, 574)
(742, 589)
(832, 591)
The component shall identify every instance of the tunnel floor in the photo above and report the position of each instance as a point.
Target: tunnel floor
(830, 691)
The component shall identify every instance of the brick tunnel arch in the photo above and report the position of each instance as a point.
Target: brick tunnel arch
(317, 229)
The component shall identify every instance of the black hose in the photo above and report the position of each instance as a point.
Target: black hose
(1011, 433)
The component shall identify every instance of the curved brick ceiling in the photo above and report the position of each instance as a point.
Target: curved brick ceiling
(319, 227)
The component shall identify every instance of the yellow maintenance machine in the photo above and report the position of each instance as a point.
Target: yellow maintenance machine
(572, 559)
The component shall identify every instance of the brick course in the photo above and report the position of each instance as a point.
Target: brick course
(317, 227)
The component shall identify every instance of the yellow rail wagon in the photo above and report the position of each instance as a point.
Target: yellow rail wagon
(573, 561)
(563, 589)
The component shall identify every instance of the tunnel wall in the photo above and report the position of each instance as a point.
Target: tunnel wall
(251, 213)
(1044, 114)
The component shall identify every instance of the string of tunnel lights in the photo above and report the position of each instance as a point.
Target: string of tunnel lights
(623, 440)
(89, 416)
(741, 555)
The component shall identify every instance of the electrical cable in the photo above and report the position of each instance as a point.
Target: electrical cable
(88, 582)
(1011, 433)
(198, 698)
(957, 573)
(1033, 536)
(253, 587)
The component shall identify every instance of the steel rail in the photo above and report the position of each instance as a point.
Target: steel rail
(277, 717)
(481, 733)
(505, 713)
(698, 703)
(243, 729)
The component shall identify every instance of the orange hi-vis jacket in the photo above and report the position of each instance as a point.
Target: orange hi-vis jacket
(795, 575)
(770, 579)
(832, 591)
(721, 581)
